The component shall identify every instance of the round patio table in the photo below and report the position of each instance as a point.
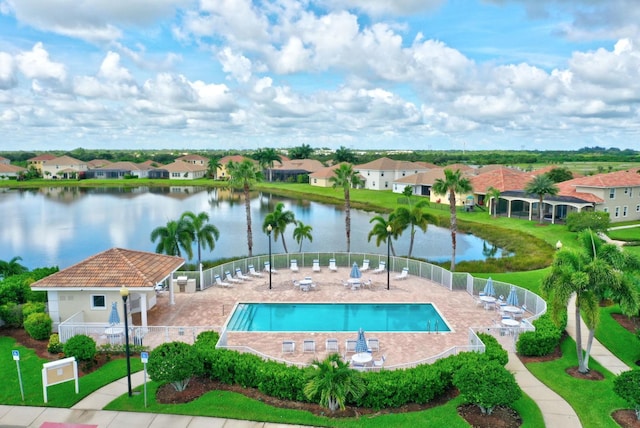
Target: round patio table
(362, 358)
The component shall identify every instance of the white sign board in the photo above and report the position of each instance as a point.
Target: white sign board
(59, 371)
(16, 355)
(144, 357)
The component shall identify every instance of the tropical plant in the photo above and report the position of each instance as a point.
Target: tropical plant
(343, 154)
(560, 174)
(205, 234)
(379, 231)
(279, 219)
(80, 346)
(302, 232)
(414, 217)
(627, 386)
(267, 159)
(174, 362)
(12, 267)
(302, 152)
(332, 382)
(177, 235)
(452, 183)
(38, 325)
(541, 185)
(212, 167)
(243, 175)
(493, 195)
(346, 178)
(593, 271)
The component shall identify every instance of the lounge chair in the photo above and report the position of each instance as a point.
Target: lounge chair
(294, 265)
(332, 345)
(309, 346)
(381, 267)
(332, 265)
(365, 265)
(229, 278)
(404, 274)
(288, 346)
(378, 364)
(220, 282)
(316, 265)
(267, 266)
(350, 346)
(242, 277)
(253, 272)
(373, 344)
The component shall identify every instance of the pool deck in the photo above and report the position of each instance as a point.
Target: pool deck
(213, 306)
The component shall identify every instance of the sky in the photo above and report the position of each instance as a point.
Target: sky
(360, 74)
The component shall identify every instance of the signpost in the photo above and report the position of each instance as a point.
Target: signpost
(16, 358)
(59, 371)
(144, 357)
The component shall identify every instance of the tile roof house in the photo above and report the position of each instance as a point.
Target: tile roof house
(221, 172)
(4, 161)
(90, 286)
(422, 182)
(8, 171)
(179, 170)
(290, 170)
(64, 167)
(38, 161)
(119, 170)
(322, 176)
(381, 173)
(194, 159)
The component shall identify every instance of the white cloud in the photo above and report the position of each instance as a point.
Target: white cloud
(238, 65)
(383, 7)
(8, 77)
(35, 64)
(111, 70)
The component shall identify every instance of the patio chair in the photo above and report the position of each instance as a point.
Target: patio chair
(294, 265)
(350, 346)
(378, 364)
(404, 274)
(288, 346)
(229, 278)
(253, 272)
(316, 265)
(331, 345)
(373, 344)
(267, 267)
(382, 266)
(365, 265)
(332, 265)
(221, 283)
(309, 346)
(242, 277)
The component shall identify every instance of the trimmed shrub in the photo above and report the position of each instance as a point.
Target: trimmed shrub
(32, 308)
(38, 325)
(494, 351)
(11, 314)
(282, 381)
(487, 385)
(55, 347)
(82, 347)
(627, 386)
(597, 221)
(174, 362)
(543, 340)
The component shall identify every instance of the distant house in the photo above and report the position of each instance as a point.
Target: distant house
(4, 161)
(194, 159)
(179, 170)
(98, 163)
(89, 287)
(118, 170)
(222, 173)
(499, 177)
(322, 177)
(381, 173)
(63, 167)
(290, 170)
(10, 171)
(39, 160)
(421, 184)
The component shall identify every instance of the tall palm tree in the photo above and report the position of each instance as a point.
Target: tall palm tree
(205, 234)
(279, 219)
(212, 167)
(541, 185)
(332, 382)
(494, 195)
(346, 178)
(173, 237)
(11, 267)
(243, 175)
(452, 183)
(302, 232)
(302, 152)
(414, 217)
(591, 272)
(379, 231)
(267, 159)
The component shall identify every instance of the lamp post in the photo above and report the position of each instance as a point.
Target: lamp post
(388, 253)
(124, 292)
(269, 229)
(558, 245)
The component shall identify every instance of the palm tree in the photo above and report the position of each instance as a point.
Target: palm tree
(343, 154)
(302, 232)
(541, 185)
(452, 183)
(494, 195)
(279, 219)
(379, 231)
(414, 217)
(212, 167)
(12, 267)
(243, 175)
(267, 159)
(176, 235)
(302, 152)
(205, 233)
(346, 178)
(332, 382)
(591, 272)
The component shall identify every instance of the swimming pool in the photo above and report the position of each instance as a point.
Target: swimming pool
(304, 317)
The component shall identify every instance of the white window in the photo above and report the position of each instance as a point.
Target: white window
(175, 174)
(98, 301)
(626, 190)
(386, 184)
(617, 212)
(612, 193)
(606, 210)
(638, 208)
(624, 211)
(382, 174)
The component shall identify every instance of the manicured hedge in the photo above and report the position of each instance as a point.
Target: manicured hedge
(543, 340)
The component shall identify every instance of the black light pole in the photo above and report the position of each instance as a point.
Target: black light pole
(124, 292)
(388, 253)
(269, 229)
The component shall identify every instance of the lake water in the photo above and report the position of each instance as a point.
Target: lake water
(61, 226)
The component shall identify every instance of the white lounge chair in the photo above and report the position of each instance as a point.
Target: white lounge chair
(331, 345)
(294, 265)
(288, 346)
(332, 265)
(373, 344)
(381, 267)
(350, 346)
(378, 364)
(242, 277)
(365, 265)
(229, 278)
(220, 282)
(309, 346)
(253, 272)
(404, 274)
(316, 265)
(267, 266)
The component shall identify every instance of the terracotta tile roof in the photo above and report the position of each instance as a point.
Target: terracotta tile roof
(114, 268)
(187, 158)
(98, 163)
(502, 178)
(150, 164)
(11, 169)
(42, 157)
(122, 165)
(567, 188)
(180, 166)
(326, 172)
(386, 164)
(628, 178)
(309, 165)
(64, 160)
(235, 158)
(422, 178)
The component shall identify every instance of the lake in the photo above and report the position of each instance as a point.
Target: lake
(61, 226)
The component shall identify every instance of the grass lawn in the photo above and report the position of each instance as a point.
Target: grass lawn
(629, 234)
(593, 401)
(617, 338)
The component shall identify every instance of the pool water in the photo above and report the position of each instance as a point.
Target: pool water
(309, 317)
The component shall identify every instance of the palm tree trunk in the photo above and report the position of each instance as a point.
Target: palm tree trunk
(454, 227)
(284, 244)
(247, 209)
(581, 366)
(587, 353)
(413, 234)
(347, 217)
(540, 210)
